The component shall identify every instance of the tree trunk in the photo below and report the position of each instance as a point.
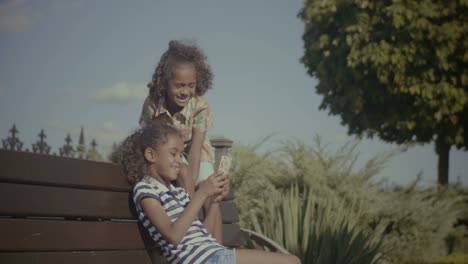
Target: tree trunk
(442, 149)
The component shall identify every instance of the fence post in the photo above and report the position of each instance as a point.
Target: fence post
(232, 235)
(222, 146)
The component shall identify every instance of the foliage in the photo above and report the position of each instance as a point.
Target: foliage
(246, 165)
(455, 258)
(395, 69)
(412, 224)
(326, 174)
(318, 231)
(417, 222)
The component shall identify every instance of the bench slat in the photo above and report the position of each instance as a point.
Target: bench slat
(35, 200)
(88, 257)
(59, 171)
(47, 235)
(232, 235)
(229, 212)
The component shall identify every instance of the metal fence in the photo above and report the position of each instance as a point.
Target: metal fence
(80, 151)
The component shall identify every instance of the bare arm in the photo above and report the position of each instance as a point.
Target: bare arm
(185, 180)
(198, 137)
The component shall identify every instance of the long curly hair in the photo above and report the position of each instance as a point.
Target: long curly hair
(129, 153)
(180, 52)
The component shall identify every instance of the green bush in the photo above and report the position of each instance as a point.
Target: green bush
(318, 231)
(412, 224)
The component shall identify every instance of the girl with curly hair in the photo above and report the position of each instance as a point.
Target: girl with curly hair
(175, 97)
(152, 158)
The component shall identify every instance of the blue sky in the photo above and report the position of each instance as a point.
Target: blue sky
(72, 63)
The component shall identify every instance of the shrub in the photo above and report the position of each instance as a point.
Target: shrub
(318, 231)
(409, 223)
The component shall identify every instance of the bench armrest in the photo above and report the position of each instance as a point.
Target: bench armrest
(264, 241)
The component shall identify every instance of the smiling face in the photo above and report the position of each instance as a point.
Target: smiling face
(181, 87)
(166, 159)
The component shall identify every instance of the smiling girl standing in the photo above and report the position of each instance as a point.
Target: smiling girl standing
(176, 91)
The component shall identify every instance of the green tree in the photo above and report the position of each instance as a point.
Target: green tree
(395, 69)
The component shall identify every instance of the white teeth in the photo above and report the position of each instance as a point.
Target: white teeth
(183, 100)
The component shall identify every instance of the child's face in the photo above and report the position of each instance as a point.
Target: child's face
(168, 158)
(182, 86)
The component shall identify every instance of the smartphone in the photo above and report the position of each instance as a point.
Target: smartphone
(225, 164)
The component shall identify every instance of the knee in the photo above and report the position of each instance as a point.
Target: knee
(295, 260)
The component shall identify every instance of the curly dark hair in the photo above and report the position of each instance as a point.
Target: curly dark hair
(180, 52)
(129, 153)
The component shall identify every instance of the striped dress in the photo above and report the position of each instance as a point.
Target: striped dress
(197, 244)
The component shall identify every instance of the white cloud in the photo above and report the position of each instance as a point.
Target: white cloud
(121, 92)
(109, 132)
(14, 16)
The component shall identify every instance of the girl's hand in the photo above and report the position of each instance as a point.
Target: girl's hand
(213, 185)
(223, 194)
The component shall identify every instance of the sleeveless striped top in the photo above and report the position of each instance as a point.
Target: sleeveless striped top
(197, 244)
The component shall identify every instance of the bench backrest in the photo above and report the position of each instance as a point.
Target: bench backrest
(57, 210)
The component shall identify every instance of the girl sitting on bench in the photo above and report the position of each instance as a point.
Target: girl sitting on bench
(151, 159)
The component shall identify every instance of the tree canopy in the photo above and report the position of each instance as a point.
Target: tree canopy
(395, 69)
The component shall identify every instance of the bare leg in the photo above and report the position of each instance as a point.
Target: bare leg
(213, 220)
(218, 227)
(258, 256)
(185, 180)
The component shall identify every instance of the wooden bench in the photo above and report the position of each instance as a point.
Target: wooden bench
(64, 210)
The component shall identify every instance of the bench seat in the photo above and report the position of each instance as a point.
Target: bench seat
(64, 210)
